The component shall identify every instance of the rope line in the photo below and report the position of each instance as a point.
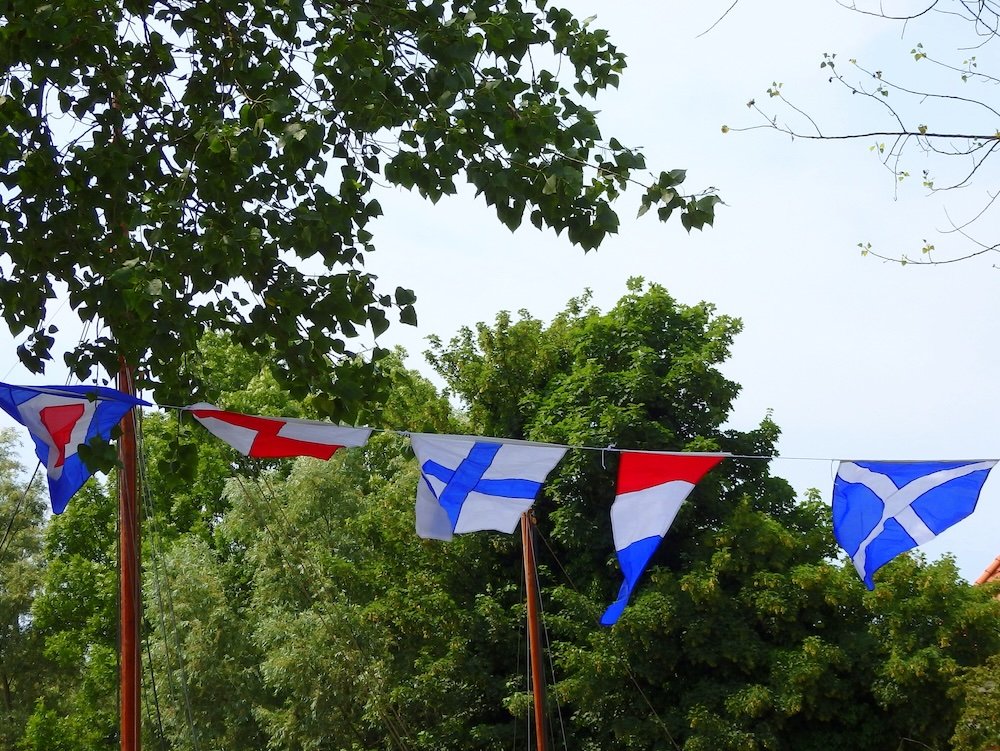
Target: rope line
(628, 665)
(161, 576)
(394, 724)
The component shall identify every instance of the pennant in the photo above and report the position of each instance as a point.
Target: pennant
(882, 509)
(651, 489)
(468, 484)
(277, 437)
(60, 419)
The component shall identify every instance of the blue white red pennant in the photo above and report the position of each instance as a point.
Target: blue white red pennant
(651, 489)
(60, 419)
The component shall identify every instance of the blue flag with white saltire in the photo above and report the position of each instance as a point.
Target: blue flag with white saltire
(882, 509)
(59, 419)
(469, 484)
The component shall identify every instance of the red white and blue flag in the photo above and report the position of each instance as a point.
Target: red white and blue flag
(277, 437)
(60, 419)
(651, 489)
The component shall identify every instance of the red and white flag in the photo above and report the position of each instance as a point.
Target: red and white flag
(277, 437)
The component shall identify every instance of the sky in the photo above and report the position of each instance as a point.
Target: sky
(856, 358)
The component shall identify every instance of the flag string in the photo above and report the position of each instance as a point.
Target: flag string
(610, 447)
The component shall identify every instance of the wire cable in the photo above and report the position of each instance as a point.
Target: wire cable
(161, 576)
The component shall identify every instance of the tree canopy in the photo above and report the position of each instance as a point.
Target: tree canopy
(172, 167)
(290, 605)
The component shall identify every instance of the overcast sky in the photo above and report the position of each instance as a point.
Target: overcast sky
(857, 358)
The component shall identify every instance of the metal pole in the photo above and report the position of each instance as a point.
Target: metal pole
(534, 631)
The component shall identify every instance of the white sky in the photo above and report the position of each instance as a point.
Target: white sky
(857, 358)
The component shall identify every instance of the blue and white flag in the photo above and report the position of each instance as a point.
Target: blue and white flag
(469, 484)
(59, 419)
(882, 509)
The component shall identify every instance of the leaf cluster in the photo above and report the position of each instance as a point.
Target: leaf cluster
(176, 167)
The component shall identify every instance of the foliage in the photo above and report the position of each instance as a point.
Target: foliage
(298, 610)
(21, 661)
(75, 614)
(178, 167)
(944, 108)
(978, 727)
(322, 602)
(743, 635)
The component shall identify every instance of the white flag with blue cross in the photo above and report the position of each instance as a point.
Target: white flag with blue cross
(882, 509)
(468, 484)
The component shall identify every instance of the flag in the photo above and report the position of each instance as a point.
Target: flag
(882, 509)
(469, 484)
(59, 419)
(277, 437)
(651, 489)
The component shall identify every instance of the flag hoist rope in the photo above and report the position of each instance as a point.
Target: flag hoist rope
(130, 664)
(534, 632)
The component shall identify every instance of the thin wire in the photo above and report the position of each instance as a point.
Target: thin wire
(628, 666)
(8, 535)
(159, 575)
(156, 698)
(582, 447)
(552, 666)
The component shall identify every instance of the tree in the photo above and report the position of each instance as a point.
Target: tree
(314, 610)
(944, 110)
(744, 634)
(978, 727)
(74, 613)
(308, 613)
(21, 659)
(172, 167)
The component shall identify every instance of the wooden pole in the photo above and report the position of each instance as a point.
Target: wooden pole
(534, 631)
(129, 575)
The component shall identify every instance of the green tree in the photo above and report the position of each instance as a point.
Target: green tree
(75, 614)
(22, 664)
(978, 727)
(744, 634)
(176, 167)
(314, 612)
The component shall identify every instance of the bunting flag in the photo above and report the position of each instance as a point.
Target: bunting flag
(277, 437)
(469, 484)
(882, 509)
(60, 419)
(651, 489)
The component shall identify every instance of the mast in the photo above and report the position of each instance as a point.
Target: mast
(128, 574)
(534, 632)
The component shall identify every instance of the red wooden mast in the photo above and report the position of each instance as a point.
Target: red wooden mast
(129, 575)
(534, 632)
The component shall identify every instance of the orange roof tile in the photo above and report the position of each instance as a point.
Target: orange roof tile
(991, 573)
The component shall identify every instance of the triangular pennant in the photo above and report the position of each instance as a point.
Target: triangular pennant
(882, 509)
(651, 489)
(469, 484)
(277, 437)
(60, 419)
